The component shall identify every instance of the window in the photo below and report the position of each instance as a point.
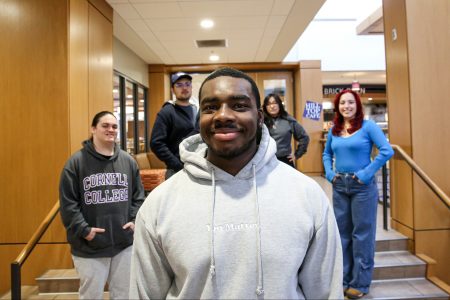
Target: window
(130, 109)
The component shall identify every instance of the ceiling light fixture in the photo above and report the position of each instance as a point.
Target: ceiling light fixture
(207, 23)
(214, 57)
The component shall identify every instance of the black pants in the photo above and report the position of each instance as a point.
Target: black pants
(285, 159)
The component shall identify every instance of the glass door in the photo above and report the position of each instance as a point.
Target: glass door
(130, 109)
(140, 117)
(280, 83)
(129, 117)
(118, 107)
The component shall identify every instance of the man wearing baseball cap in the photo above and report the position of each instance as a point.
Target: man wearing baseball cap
(174, 122)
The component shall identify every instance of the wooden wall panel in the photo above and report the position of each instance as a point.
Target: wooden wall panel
(308, 86)
(33, 118)
(104, 8)
(44, 113)
(401, 195)
(429, 65)
(436, 244)
(33, 114)
(398, 100)
(158, 92)
(418, 69)
(100, 63)
(78, 74)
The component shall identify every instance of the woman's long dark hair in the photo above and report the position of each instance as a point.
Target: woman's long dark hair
(268, 120)
(356, 122)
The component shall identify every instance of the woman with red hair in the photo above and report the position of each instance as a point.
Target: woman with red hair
(348, 165)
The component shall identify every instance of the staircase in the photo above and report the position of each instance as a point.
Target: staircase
(398, 274)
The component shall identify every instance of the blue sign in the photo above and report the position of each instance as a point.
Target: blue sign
(312, 110)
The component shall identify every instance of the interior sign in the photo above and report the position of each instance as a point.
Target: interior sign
(312, 110)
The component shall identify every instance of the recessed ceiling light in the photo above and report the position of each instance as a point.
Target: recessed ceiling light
(214, 57)
(207, 23)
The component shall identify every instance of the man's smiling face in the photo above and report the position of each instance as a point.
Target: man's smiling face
(229, 119)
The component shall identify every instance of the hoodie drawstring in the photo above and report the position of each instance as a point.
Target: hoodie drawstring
(212, 266)
(260, 286)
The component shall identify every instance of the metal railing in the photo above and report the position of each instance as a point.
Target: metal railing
(16, 265)
(385, 196)
(415, 167)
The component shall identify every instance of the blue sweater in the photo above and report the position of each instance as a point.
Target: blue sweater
(352, 153)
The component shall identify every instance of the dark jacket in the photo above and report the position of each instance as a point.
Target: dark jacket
(282, 130)
(172, 125)
(96, 191)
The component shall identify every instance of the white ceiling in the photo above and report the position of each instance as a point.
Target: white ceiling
(164, 31)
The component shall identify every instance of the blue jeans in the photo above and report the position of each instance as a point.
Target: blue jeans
(355, 207)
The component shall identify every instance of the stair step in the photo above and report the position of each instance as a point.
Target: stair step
(398, 274)
(407, 288)
(26, 291)
(390, 240)
(59, 281)
(398, 264)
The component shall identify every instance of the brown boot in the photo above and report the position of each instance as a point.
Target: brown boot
(352, 293)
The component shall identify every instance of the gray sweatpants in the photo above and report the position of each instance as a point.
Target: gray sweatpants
(95, 272)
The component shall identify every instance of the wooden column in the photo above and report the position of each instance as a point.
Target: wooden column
(158, 91)
(417, 39)
(308, 86)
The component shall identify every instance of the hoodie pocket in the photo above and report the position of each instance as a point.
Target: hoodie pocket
(102, 240)
(114, 234)
(121, 237)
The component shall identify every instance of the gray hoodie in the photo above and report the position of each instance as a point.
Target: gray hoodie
(267, 232)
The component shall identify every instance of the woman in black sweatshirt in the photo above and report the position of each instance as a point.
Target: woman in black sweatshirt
(100, 194)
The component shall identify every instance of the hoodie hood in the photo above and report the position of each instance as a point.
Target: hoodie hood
(193, 153)
(88, 145)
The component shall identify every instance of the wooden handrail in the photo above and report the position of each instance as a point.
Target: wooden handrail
(433, 186)
(26, 251)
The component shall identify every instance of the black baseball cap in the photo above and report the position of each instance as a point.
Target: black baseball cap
(177, 76)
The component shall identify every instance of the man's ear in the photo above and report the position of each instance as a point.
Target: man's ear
(260, 118)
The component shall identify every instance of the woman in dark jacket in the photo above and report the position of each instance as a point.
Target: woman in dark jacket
(282, 128)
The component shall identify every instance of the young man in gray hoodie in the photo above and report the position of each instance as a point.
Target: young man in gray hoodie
(235, 223)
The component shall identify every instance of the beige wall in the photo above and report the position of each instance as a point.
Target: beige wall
(52, 82)
(129, 64)
(418, 70)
